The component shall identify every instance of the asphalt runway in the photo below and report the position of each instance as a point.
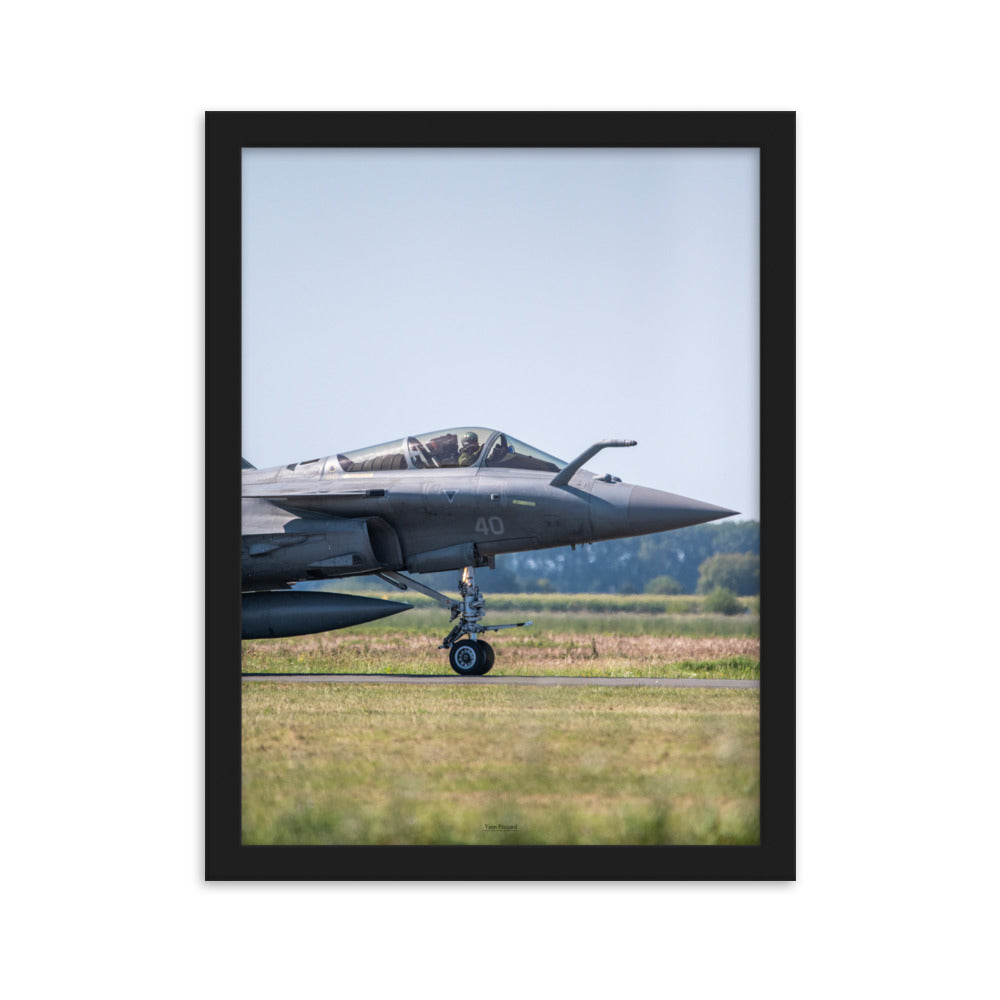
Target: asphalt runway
(661, 682)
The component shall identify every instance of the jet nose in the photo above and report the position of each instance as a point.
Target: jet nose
(652, 510)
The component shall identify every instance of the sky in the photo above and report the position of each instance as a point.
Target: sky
(561, 295)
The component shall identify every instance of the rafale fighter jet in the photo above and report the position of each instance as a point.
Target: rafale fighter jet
(452, 499)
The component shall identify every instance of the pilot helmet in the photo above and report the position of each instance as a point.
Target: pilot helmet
(470, 439)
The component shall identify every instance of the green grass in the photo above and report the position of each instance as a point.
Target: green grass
(433, 620)
(610, 614)
(376, 764)
(371, 764)
(603, 606)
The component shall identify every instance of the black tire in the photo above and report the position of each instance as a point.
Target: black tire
(469, 658)
(490, 656)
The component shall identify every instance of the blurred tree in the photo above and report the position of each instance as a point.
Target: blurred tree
(738, 572)
(722, 602)
(664, 584)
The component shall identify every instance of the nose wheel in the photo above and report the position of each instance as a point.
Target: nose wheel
(471, 657)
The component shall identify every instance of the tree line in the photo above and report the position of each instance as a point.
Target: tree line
(698, 559)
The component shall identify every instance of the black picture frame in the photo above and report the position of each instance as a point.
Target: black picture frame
(227, 134)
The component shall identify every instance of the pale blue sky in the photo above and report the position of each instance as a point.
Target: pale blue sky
(561, 295)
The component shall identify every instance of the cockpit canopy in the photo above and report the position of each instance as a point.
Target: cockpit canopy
(457, 447)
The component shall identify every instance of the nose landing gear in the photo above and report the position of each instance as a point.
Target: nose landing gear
(470, 657)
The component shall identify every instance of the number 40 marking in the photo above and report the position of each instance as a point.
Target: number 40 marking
(490, 526)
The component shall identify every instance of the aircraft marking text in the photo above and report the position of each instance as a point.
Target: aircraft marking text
(490, 526)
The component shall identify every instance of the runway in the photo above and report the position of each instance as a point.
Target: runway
(660, 682)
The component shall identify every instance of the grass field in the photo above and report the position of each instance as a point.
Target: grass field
(520, 654)
(592, 641)
(371, 764)
(475, 764)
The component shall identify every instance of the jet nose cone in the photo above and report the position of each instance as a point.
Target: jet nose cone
(652, 510)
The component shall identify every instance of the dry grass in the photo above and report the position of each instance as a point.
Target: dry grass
(520, 652)
(669, 649)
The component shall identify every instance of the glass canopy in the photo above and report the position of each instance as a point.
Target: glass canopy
(457, 447)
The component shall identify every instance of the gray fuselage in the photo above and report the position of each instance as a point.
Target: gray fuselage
(313, 520)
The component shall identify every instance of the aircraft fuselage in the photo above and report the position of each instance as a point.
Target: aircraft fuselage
(423, 505)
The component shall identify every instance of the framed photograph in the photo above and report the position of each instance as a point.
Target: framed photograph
(504, 587)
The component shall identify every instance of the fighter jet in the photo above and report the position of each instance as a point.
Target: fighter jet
(450, 499)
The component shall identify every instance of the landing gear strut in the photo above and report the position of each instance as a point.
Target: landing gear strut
(470, 657)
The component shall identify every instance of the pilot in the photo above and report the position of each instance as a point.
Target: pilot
(470, 449)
